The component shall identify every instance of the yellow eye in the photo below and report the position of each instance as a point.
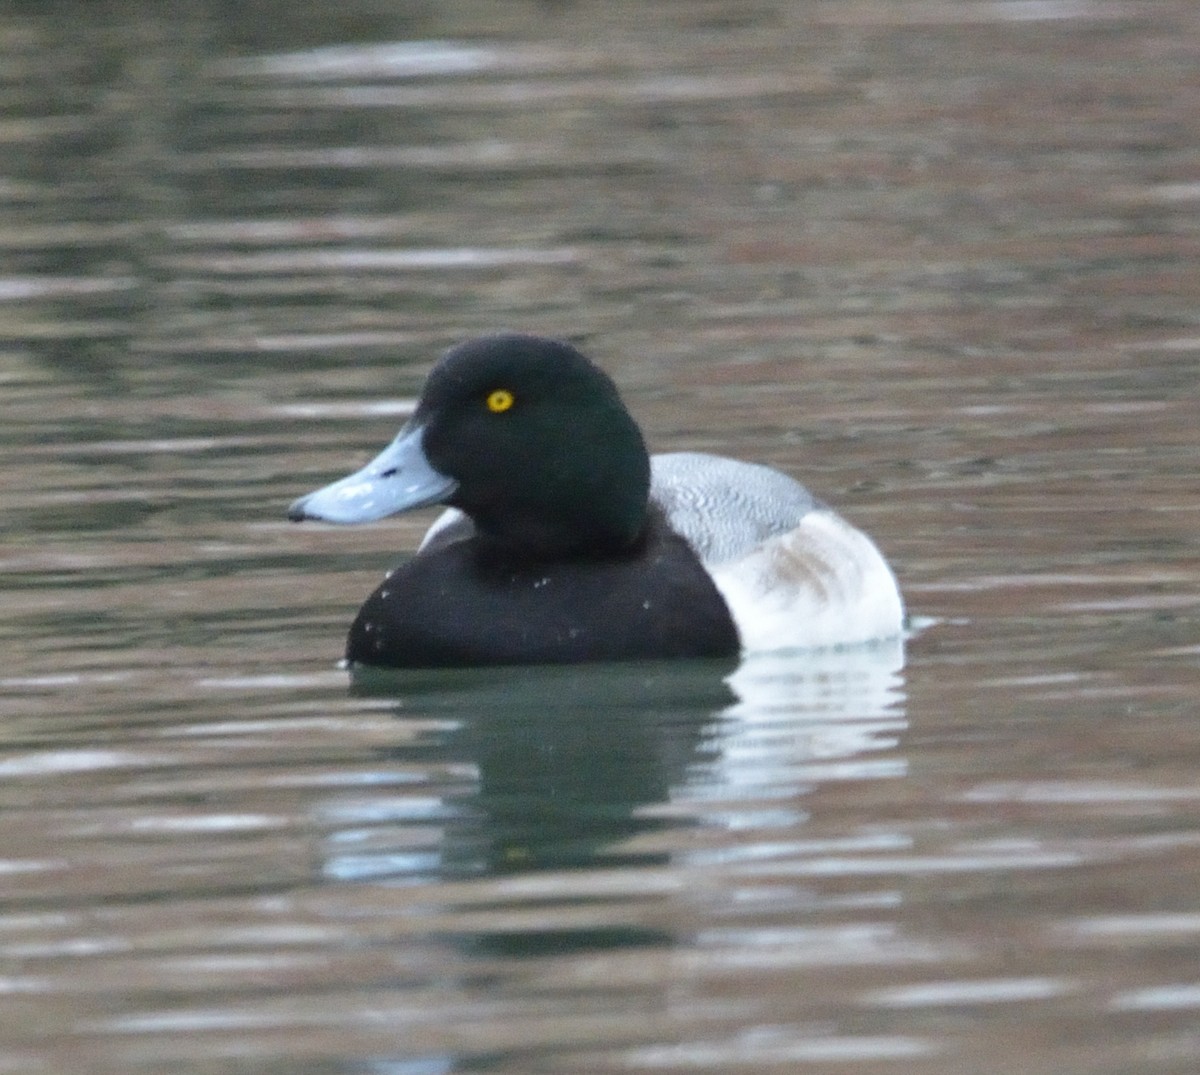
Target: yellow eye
(500, 400)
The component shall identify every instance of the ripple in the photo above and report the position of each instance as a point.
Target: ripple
(394, 59)
(342, 260)
(988, 991)
(780, 1045)
(1159, 998)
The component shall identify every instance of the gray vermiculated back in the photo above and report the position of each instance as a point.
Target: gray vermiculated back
(724, 507)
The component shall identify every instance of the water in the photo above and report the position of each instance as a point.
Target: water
(938, 260)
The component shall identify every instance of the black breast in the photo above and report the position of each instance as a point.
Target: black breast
(463, 605)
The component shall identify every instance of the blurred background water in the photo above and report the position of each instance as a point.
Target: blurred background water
(937, 259)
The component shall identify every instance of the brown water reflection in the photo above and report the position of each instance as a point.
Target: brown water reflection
(937, 259)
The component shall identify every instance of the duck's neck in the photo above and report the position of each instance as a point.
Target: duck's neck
(598, 509)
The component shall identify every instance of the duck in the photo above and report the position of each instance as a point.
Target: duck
(563, 540)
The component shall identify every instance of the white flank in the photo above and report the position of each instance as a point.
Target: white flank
(822, 584)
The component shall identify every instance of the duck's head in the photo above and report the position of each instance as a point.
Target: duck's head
(524, 435)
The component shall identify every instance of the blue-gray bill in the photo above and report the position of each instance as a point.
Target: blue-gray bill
(400, 478)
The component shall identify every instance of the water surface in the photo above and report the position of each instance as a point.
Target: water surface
(938, 260)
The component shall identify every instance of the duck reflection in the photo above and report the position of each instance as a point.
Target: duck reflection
(563, 769)
(563, 757)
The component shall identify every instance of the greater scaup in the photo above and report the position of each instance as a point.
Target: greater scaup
(566, 542)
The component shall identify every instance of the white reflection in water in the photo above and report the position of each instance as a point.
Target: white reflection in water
(1135, 925)
(990, 991)
(17, 866)
(396, 59)
(204, 823)
(763, 850)
(415, 866)
(1039, 10)
(1159, 998)
(802, 718)
(24, 985)
(184, 1021)
(1032, 859)
(778, 1045)
(344, 260)
(299, 681)
(370, 408)
(1075, 792)
(374, 813)
(433, 1066)
(40, 763)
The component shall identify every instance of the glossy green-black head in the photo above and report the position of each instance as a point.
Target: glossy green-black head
(526, 436)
